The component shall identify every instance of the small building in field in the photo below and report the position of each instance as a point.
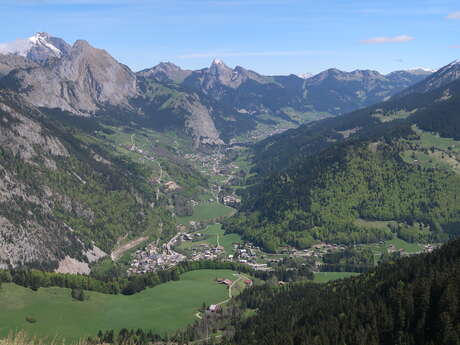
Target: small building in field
(248, 282)
(214, 308)
(227, 282)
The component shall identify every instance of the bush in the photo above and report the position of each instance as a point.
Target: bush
(31, 319)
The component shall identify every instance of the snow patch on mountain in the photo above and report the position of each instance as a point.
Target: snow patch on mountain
(37, 48)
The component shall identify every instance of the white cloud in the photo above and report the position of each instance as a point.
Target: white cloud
(223, 54)
(455, 46)
(454, 15)
(395, 39)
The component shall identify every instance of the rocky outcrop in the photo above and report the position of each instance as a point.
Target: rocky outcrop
(10, 62)
(83, 81)
(30, 233)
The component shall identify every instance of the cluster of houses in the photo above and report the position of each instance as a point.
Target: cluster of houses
(231, 200)
(152, 259)
(206, 252)
(318, 250)
(244, 253)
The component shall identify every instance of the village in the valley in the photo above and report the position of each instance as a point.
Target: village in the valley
(192, 243)
(153, 258)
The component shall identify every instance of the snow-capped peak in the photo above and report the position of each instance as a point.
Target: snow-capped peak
(217, 62)
(38, 48)
(424, 69)
(305, 75)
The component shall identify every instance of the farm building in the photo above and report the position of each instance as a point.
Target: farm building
(214, 308)
(227, 282)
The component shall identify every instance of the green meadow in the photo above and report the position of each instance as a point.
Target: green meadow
(212, 234)
(164, 308)
(207, 211)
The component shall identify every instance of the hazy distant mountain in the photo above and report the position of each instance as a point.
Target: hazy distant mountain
(166, 72)
(339, 92)
(440, 78)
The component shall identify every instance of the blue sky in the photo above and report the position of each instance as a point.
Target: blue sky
(268, 36)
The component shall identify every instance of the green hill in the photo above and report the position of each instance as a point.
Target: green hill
(164, 308)
(403, 169)
(410, 301)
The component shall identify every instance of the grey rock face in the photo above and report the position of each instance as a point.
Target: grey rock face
(211, 80)
(165, 72)
(29, 237)
(10, 62)
(82, 82)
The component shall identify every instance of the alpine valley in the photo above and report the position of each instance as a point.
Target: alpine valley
(175, 206)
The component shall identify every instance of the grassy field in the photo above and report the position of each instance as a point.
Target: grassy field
(434, 151)
(401, 244)
(211, 233)
(207, 211)
(163, 308)
(324, 277)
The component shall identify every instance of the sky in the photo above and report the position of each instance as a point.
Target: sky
(268, 36)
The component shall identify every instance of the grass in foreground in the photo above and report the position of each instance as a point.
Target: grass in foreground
(162, 309)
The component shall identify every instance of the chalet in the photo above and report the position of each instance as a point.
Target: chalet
(248, 282)
(227, 282)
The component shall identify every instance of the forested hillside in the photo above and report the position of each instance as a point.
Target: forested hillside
(63, 195)
(396, 161)
(435, 111)
(410, 301)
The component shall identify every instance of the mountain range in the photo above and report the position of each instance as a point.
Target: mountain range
(391, 168)
(69, 194)
(212, 105)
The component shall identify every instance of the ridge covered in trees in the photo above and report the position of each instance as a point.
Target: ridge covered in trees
(334, 181)
(410, 301)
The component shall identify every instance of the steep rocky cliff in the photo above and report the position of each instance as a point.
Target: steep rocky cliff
(83, 81)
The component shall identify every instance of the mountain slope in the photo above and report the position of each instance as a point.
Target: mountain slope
(381, 163)
(409, 301)
(339, 92)
(64, 198)
(82, 81)
(440, 78)
(280, 102)
(212, 105)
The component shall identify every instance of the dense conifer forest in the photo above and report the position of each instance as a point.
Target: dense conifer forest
(409, 301)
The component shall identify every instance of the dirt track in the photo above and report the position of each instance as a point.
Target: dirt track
(118, 252)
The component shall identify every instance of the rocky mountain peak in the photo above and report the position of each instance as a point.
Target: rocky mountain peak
(165, 72)
(83, 80)
(219, 67)
(38, 48)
